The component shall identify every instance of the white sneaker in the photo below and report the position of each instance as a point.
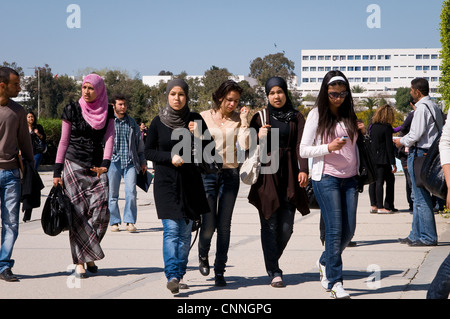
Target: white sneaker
(115, 228)
(323, 277)
(131, 228)
(338, 292)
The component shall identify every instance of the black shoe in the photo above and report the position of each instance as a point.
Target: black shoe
(405, 240)
(203, 266)
(7, 275)
(220, 280)
(419, 243)
(173, 285)
(92, 269)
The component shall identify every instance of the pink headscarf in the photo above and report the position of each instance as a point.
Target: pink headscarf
(95, 113)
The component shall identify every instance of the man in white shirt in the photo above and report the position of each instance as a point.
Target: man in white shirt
(426, 125)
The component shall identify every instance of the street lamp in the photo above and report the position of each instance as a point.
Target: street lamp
(39, 90)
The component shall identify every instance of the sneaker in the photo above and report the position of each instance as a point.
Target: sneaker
(173, 285)
(323, 277)
(115, 228)
(131, 228)
(338, 291)
(7, 275)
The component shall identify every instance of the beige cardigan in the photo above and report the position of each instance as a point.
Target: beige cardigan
(232, 131)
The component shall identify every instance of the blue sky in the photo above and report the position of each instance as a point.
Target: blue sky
(148, 36)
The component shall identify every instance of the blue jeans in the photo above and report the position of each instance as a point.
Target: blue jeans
(423, 224)
(10, 204)
(440, 287)
(221, 191)
(176, 245)
(115, 174)
(338, 201)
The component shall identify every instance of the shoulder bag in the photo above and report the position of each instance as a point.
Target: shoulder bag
(367, 170)
(251, 167)
(57, 212)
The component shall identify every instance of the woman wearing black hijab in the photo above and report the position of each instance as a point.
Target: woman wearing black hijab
(279, 190)
(178, 188)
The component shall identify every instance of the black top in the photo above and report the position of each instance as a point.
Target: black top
(382, 145)
(178, 191)
(86, 144)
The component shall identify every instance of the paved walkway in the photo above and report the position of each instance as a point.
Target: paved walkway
(378, 267)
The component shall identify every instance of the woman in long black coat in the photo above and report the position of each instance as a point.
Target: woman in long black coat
(178, 188)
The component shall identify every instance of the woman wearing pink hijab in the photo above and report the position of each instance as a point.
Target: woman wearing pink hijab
(87, 125)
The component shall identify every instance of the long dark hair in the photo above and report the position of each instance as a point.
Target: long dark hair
(346, 112)
(34, 125)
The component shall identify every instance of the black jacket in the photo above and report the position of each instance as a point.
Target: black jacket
(382, 144)
(31, 189)
(178, 191)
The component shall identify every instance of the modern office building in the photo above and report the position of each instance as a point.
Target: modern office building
(378, 71)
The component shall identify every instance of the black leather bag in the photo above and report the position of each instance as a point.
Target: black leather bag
(57, 212)
(367, 169)
(313, 204)
(428, 171)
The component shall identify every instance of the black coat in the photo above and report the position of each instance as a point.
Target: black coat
(382, 144)
(178, 191)
(31, 189)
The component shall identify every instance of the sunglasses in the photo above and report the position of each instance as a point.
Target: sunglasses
(335, 95)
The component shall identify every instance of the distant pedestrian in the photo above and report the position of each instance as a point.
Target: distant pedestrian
(329, 138)
(228, 128)
(14, 136)
(425, 127)
(440, 286)
(143, 129)
(38, 138)
(84, 156)
(279, 190)
(38, 141)
(128, 160)
(178, 188)
(384, 159)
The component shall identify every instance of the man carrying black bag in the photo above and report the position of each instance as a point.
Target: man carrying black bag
(425, 127)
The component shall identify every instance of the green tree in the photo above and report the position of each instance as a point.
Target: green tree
(402, 99)
(272, 65)
(444, 85)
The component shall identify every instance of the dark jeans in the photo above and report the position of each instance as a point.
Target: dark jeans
(275, 235)
(376, 190)
(221, 191)
(440, 287)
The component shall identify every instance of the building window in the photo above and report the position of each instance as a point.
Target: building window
(305, 80)
(418, 56)
(357, 57)
(387, 68)
(350, 57)
(305, 58)
(418, 68)
(312, 57)
(365, 57)
(313, 69)
(305, 69)
(434, 68)
(351, 69)
(320, 57)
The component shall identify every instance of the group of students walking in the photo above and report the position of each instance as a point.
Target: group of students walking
(89, 150)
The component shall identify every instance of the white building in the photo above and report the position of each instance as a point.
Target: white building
(379, 71)
(152, 80)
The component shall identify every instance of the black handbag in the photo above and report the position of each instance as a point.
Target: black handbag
(367, 170)
(57, 212)
(428, 171)
(312, 201)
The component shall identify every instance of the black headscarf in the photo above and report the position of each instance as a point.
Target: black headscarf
(285, 113)
(173, 118)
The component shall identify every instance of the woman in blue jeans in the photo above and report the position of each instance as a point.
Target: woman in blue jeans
(329, 138)
(178, 188)
(228, 128)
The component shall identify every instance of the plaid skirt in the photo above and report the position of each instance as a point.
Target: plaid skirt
(90, 217)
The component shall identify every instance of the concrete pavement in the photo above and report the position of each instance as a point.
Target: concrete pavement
(377, 268)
